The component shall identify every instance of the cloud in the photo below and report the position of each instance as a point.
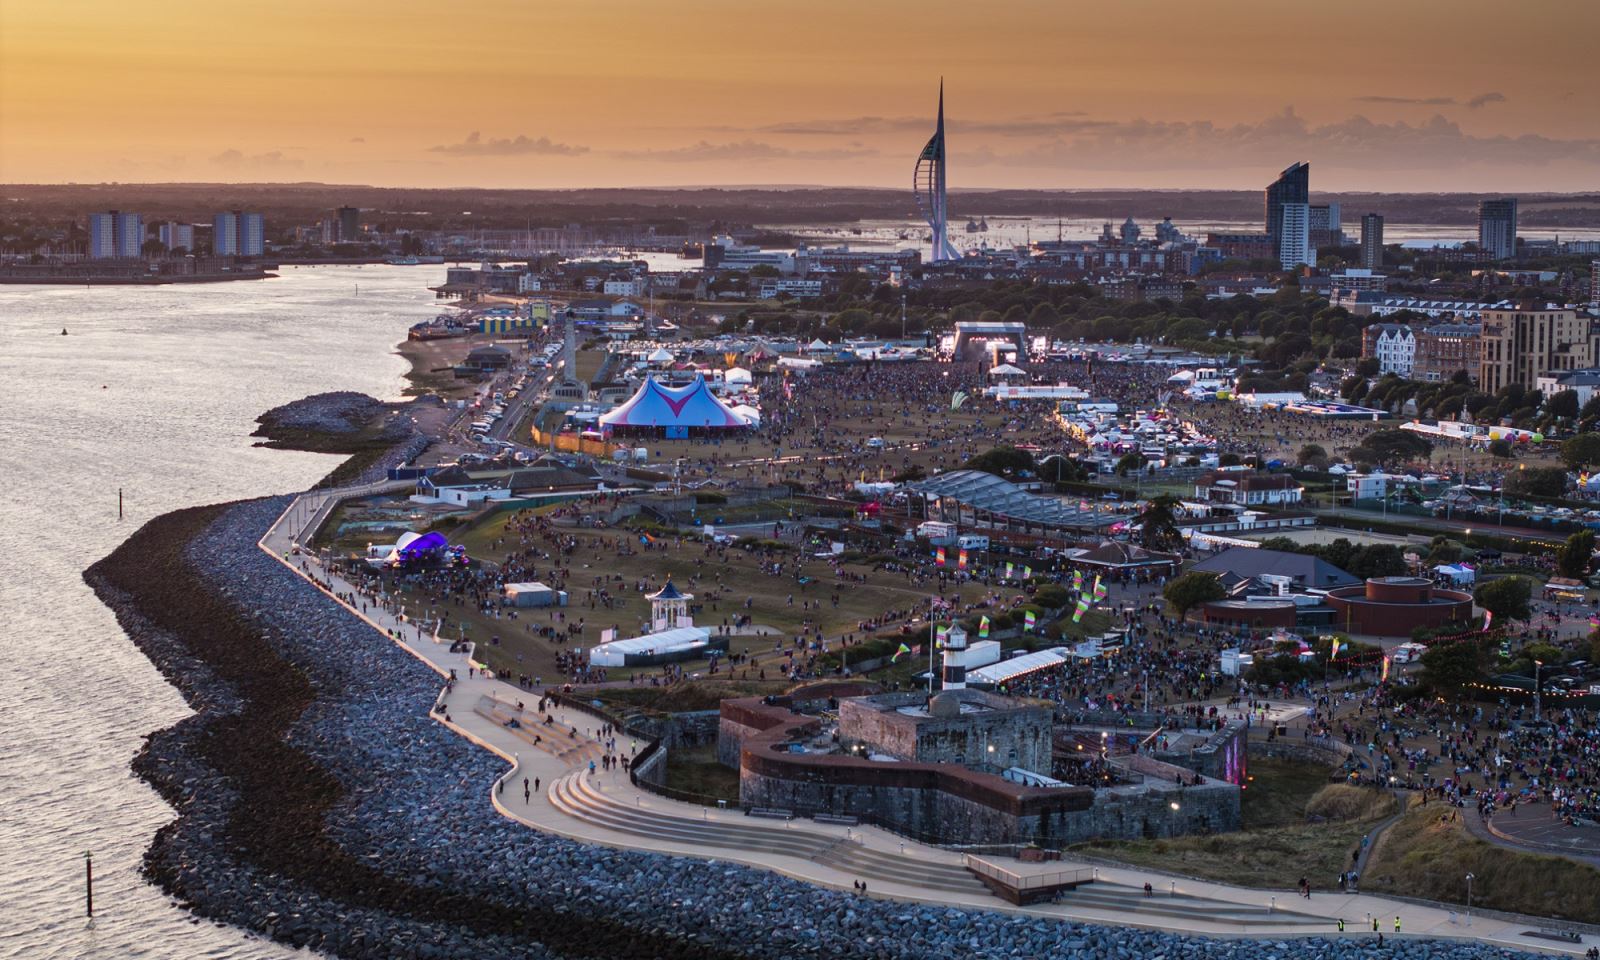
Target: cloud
(1356, 143)
(271, 160)
(476, 146)
(1472, 103)
(751, 151)
(1062, 121)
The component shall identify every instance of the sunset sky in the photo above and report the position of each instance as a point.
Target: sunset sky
(1393, 95)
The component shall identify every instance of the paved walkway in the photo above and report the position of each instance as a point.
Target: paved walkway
(604, 808)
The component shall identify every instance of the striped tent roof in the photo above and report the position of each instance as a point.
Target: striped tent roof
(657, 406)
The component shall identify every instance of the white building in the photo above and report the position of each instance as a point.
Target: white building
(1359, 279)
(252, 235)
(799, 289)
(174, 235)
(1294, 240)
(529, 283)
(1394, 346)
(627, 287)
(724, 253)
(116, 234)
(235, 233)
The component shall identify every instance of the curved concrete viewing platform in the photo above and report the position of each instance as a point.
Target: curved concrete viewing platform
(549, 786)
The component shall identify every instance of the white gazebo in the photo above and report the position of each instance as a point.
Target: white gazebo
(669, 608)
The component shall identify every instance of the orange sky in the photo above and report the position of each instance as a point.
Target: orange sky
(1391, 95)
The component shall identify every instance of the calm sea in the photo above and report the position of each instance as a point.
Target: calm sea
(154, 391)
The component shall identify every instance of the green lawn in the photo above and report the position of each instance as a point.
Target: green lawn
(1429, 855)
(1278, 845)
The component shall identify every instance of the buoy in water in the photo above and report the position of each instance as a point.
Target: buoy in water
(63, 331)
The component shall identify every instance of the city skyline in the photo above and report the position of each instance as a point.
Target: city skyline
(1141, 96)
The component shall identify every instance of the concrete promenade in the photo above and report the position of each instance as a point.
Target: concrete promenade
(604, 808)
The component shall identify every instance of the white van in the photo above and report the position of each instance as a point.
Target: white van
(938, 533)
(972, 542)
(1407, 653)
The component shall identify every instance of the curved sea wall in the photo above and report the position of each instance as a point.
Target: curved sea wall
(320, 805)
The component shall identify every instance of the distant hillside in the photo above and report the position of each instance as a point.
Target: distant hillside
(670, 208)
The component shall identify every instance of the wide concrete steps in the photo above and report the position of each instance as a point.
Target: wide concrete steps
(581, 797)
(553, 739)
(576, 795)
(1124, 899)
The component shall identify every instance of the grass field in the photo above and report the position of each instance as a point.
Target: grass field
(1278, 845)
(721, 583)
(1428, 855)
(696, 770)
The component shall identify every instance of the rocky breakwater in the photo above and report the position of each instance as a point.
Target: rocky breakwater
(367, 429)
(320, 805)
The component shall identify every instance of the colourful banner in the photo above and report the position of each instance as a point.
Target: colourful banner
(900, 653)
(983, 628)
(1029, 621)
(961, 559)
(1077, 580)
(1100, 590)
(938, 557)
(1488, 618)
(1385, 677)
(1009, 568)
(1083, 608)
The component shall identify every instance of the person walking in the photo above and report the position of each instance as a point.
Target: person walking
(1397, 923)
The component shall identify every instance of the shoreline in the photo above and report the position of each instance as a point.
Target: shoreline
(320, 804)
(159, 281)
(270, 835)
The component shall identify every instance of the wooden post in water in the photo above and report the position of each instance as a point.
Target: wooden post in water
(119, 503)
(88, 882)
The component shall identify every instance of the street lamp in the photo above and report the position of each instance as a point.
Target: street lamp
(1536, 701)
(1470, 878)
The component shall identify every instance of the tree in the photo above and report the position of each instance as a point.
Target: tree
(1191, 590)
(1043, 317)
(1500, 449)
(1377, 560)
(1443, 551)
(1158, 526)
(1582, 450)
(1002, 462)
(1538, 482)
(1506, 598)
(1572, 558)
(1447, 667)
(852, 321)
(1313, 453)
(1563, 403)
(1128, 463)
(1389, 446)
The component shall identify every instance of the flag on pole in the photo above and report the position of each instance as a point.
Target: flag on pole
(1100, 590)
(938, 637)
(1385, 677)
(900, 653)
(1488, 618)
(1077, 580)
(961, 559)
(983, 628)
(1028, 621)
(938, 557)
(1334, 655)
(1083, 608)
(1009, 567)
(1027, 572)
